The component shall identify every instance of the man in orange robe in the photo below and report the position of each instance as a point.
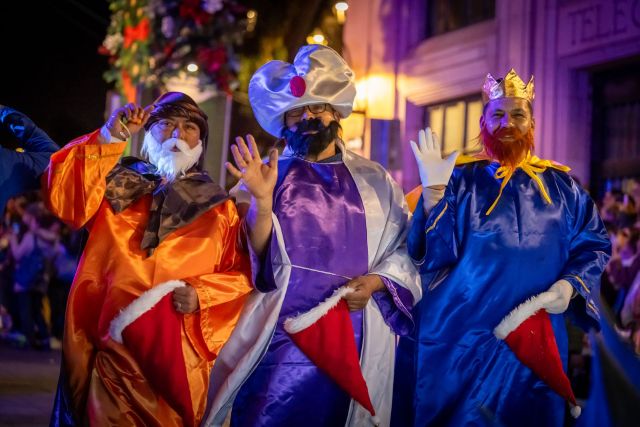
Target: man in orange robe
(162, 280)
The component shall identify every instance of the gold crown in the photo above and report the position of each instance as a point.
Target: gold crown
(511, 86)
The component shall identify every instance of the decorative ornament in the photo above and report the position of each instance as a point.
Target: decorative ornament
(297, 86)
(150, 42)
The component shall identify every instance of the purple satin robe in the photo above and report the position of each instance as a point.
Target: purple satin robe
(324, 228)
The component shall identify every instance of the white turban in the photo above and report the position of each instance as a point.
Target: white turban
(318, 75)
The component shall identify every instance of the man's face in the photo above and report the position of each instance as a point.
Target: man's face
(176, 127)
(506, 130)
(173, 146)
(507, 113)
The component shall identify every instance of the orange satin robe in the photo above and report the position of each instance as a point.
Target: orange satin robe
(106, 384)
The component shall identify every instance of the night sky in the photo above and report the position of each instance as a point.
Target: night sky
(50, 68)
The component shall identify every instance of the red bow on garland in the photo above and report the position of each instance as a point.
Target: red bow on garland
(138, 32)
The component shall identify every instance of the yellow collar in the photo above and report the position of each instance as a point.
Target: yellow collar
(531, 165)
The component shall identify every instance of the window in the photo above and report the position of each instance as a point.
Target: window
(450, 15)
(615, 147)
(456, 123)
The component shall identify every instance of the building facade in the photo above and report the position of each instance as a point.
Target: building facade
(422, 63)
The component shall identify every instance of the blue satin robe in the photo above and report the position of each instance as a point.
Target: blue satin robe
(475, 269)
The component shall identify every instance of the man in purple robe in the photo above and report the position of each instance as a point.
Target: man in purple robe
(319, 218)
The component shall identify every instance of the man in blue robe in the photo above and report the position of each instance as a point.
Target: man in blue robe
(24, 153)
(487, 235)
(319, 218)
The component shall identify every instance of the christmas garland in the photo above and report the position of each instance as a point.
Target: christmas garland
(149, 42)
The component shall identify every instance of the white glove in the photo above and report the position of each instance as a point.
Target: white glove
(560, 294)
(434, 170)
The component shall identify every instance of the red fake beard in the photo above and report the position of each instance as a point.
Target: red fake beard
(508, 153)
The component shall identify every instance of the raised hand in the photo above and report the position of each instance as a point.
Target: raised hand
(259, 178)
(127, 120)
(434, 169)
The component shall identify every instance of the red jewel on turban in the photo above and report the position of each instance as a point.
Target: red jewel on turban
(298, 86)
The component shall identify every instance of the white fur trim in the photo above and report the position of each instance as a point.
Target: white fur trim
(302, 321)
(521, 313)
(576, 411)
(139, 306)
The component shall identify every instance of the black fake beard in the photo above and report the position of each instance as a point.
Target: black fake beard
(302, 145)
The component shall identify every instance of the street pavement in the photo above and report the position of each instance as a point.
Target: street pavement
(28, 380)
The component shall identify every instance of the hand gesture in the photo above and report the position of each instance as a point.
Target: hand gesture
(364, 287)
(434, 170)
(559, 297)
(134, 118)
(185, 299)
(259, 178)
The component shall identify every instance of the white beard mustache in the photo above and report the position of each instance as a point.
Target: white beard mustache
(170, 164)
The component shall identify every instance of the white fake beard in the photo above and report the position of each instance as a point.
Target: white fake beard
(170, 164)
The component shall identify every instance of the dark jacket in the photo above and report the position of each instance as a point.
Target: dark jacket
(20, 170)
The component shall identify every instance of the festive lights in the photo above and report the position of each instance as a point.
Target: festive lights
(252, 19)
(316, 37)
(341, 7)
(150, 42)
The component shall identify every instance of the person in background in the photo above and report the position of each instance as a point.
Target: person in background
(33, 256)
(24, 154)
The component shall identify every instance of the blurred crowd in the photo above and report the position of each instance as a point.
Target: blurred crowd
(38, 259)
(620, 285)
(39, 255)
(620, 211)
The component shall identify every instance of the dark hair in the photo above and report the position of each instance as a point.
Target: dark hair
(36, 210)
(634, 236)
(617, 194)
(178, 104)
(8, 140)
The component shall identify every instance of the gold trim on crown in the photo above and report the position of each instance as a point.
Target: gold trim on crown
(511, 86)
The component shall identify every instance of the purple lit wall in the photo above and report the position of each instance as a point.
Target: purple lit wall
(563, 43)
